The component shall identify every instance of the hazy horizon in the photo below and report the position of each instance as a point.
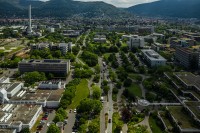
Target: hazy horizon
(120, 3)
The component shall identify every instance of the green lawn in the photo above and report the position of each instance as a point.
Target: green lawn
(106, 55)
(82, 92)
(135, 90)
(154, 127)
(116, 122)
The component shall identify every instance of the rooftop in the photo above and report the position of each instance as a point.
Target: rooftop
(189, 78)
(7, 130)
(152, 55)
(46, 61)
(184, 120)
(40, 95)
(24, 113)
(194, 107)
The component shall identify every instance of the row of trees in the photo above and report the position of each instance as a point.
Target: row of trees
(90, 58)
(10, 63)
(69, 93)
(133, 59)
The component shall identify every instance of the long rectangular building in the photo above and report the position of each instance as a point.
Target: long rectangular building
(57, 67)
(188, 58)
(153, 58)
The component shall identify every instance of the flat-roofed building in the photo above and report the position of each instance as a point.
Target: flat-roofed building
(57, 67)
(8, 131)
(100, 38)
(51, 85)
(187, 58)
(152, 58)
(135, 41)
(11, 88)
(17, 117)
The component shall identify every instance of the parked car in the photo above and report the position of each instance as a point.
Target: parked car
(109, 121)
(74, 110)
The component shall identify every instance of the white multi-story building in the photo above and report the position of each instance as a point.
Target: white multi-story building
(152, 58)
(65, 47)
(50, 85)
(135, 41)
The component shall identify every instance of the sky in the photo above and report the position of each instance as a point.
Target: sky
(121, 3)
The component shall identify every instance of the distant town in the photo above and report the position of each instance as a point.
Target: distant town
(99, 75)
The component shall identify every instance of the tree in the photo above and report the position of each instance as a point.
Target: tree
(32, 77)
(25, 130)
(126, 114)
(93, 128)
(96, 92)
(106, 89)
(62, 112)
(53, 129)
(127, 82)
(58, 118)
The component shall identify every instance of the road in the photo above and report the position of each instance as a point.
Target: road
(50, 119)
(110, 103)
(70, 124)
(103, 111)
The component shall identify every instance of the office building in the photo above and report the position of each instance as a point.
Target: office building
(63, 47)
(135, 41)
(152, 58)
(187, 57)
(56, 67)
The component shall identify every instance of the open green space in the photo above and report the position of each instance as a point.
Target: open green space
(106, 55)
(117, 122)
(82, 92)
(153, 125)
(135, 90)
(184, 120)
(136, 77)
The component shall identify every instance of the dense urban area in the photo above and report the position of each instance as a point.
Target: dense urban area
(99, 75)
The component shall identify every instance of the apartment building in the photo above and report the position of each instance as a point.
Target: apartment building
(57, 67)
(188, 58)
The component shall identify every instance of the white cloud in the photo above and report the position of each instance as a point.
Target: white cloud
(123, 3)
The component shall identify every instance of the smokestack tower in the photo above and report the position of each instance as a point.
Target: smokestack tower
(29, 27)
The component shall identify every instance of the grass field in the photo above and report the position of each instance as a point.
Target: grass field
(135, 89)
(82, 92)
(154, 127)
(106, 55)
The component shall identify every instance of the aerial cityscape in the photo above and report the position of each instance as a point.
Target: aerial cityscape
(110, 66)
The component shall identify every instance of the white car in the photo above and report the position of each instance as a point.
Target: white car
(74, 110)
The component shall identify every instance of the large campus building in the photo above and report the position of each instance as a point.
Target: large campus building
(152, 58)
(57, 67)
(188, 58)
(63, 47)
(135, 41)
(20, 106)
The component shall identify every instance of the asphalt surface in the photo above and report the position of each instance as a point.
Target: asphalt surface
(50, 119)
(71, 120)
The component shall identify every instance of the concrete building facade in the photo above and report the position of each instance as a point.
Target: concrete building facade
(187, 58)
(57, 67)
(152, 58)
(135, 41)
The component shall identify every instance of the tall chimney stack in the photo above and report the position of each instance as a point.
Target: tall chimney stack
(29, 28)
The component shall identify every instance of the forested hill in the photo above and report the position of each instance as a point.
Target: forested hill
(168, 8)
(58, 8)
